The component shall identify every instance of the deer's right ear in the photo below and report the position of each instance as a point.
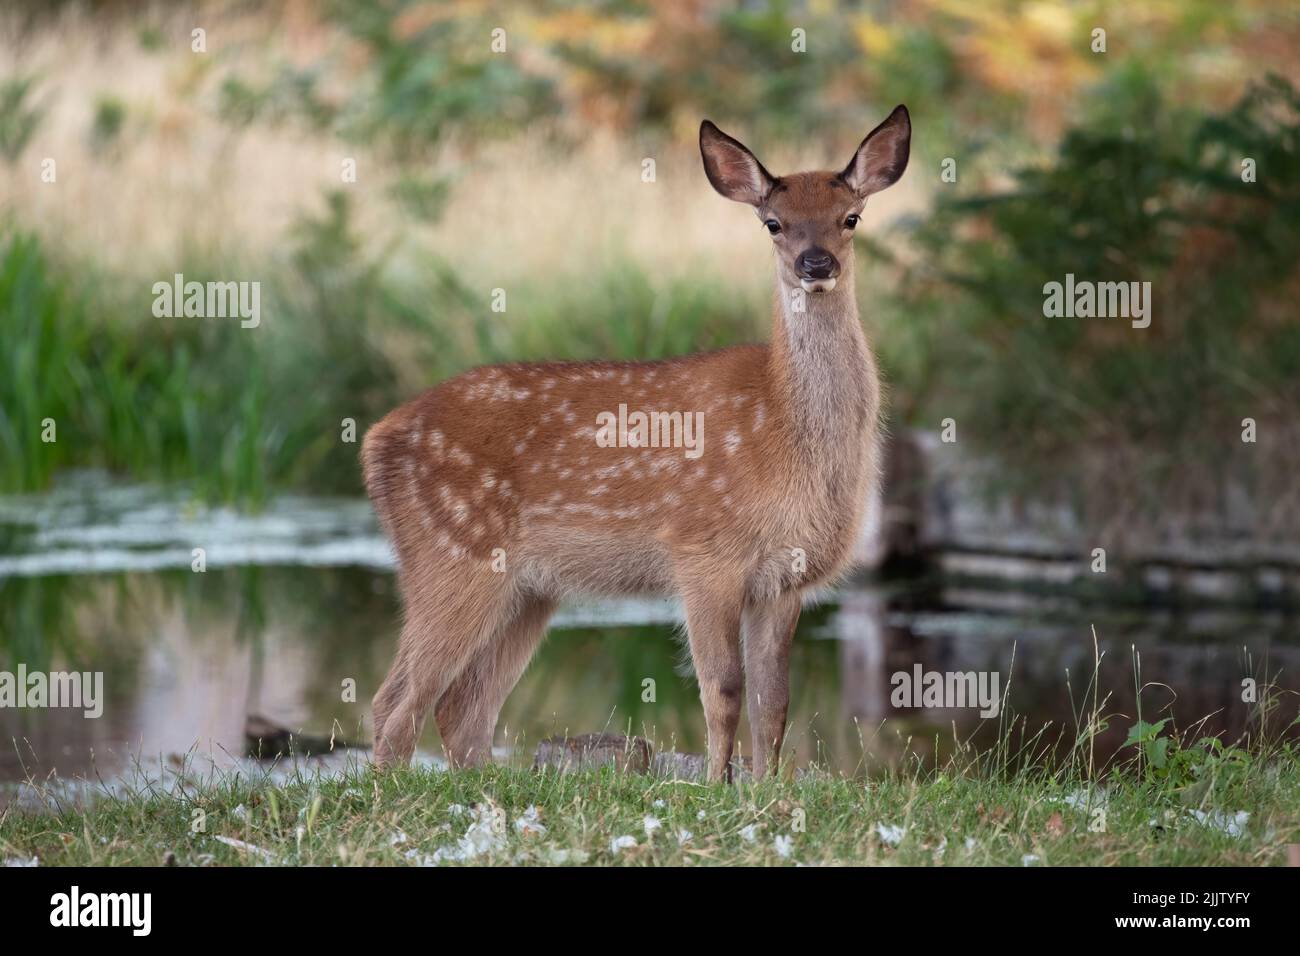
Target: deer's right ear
(732, 169)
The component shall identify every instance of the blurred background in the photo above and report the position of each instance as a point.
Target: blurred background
(379, 169)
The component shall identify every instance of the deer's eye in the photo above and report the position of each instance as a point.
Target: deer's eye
(772, 226)
(851, 221)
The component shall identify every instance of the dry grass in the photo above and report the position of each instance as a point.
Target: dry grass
(181, 178)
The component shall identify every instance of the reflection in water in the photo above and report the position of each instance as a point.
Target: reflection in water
(297, 607)
(187, 657)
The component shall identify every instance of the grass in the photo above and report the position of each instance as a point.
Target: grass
(416, 816)
(1167, 798)
(89, 378)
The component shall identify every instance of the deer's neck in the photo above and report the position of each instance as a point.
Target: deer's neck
(822, 370)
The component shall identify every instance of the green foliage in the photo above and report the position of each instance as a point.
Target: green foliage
(44, 342)
(106, 126)
(423, 197)
(239, 413)
(424, 76)
(1190, 770)
(19, 117)
(150, 37)
(228, 410)
(1142, 193)
(291, 94)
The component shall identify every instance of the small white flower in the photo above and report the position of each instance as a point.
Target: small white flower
(659, 804)
(700, 815)
(483, 836)
(784, 846)
(397, 839)
(890, 834)
(684, 836)
(455, 809)
(558, 855)
(621, 843)
(530, 823)
(1029, 859)
(750, 833)
(1232, 824)
(240, 812)
(1083, 799)
(970, 844)
(651, 824)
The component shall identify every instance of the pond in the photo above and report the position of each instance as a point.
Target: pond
(293, 620)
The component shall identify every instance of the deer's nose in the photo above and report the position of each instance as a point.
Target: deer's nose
(816, 263)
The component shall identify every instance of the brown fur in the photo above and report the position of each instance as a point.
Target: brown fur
(506, 458)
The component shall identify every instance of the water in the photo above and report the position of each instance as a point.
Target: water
(298, 606)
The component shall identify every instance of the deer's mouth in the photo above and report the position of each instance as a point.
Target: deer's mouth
(818, 285)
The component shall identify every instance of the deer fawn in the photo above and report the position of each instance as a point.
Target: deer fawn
(507, 488)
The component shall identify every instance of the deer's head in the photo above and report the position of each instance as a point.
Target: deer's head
(811, 216)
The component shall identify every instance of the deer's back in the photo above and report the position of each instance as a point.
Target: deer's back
(519, 458)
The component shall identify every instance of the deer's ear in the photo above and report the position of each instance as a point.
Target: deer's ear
(882, 157)
(732, 169)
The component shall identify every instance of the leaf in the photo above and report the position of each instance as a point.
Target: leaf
(1142, 731)
(1158, 752)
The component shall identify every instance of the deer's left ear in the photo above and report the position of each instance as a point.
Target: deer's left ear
(882, 157)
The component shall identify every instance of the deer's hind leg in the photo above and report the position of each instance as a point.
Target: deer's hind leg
(468, 711)
(448, 620)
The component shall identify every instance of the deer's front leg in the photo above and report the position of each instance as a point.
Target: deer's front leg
(713, 622)
(769, 628)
